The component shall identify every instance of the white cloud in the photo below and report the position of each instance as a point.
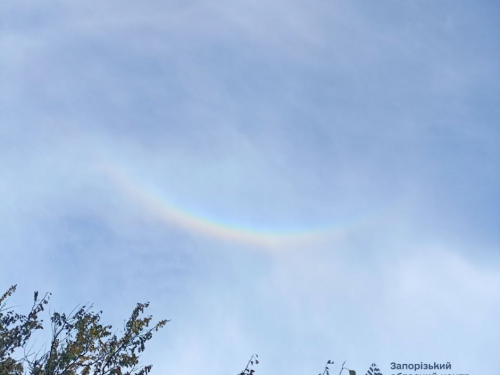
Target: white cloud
(288, 115)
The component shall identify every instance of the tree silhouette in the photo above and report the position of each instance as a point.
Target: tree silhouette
(79, 343)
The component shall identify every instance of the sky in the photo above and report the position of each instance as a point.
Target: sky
(304, 180)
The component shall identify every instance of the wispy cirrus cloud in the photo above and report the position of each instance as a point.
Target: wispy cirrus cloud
(275, 117)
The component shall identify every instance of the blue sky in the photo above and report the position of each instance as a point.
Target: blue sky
(302, 180)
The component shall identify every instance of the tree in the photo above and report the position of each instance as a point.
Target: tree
(79, 343)
(254, 360)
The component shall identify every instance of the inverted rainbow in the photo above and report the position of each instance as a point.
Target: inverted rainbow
(161, 208)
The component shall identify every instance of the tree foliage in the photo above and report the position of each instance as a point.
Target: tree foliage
(254, 360)
(80, 344)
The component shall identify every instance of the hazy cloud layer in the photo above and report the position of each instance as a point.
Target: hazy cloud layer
(370, 127)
